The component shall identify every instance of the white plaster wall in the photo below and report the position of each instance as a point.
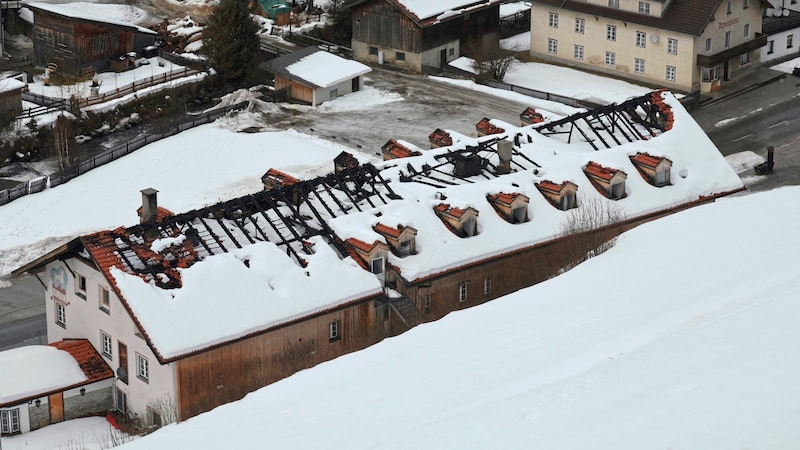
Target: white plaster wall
(779, 48)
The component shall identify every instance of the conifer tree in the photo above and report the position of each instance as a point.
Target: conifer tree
(230, 40)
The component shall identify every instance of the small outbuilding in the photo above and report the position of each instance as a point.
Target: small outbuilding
(11, 97)
(313, 76)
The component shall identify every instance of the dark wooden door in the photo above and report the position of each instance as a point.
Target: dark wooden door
(356, 84)
(443, 58)
(123, 362)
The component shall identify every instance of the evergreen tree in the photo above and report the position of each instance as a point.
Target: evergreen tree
(230, 40)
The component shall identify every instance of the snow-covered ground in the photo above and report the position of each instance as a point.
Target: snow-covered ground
(92, 433)
(683, 336)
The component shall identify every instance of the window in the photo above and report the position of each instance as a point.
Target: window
(708, 45)
(744, 58)
(452, 51)
(745, 4)
(61, 315)
(553, 20)
(672, 46)
(142, 368)
(105, 341)
(105, 300)
(120, 400)
(671, 72)
(644, 8)
(487, 285)
(730, 6)
(552, 46)
(711, 74)
(405, 247)
(333, 331)
(746, 30)
(728, 39)
(334, 92)
(80, 286)
(638, 65)
(578, 53)
(770, 47)
(613, 3)
(377, 265)
(427, 301)
(580, 26)
(790, 41)
(611, 32)
(400, 56)
(153, 417)
(462, 292)
(611, 59)
(373, 51)
(641, 39)
(9, 421)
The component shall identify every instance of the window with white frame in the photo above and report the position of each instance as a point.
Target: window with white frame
(744, 58)
(790, 41)
(333, 331)
(708, 45)
(9, 421)
(746, 30)
(641, 39)
(745, 4)
(580, 26)
(711, 74)
(120, 400)
(672, 46)
(105, 344)
(730, 6)
(105, 300)
(611, 32)
(376, 265)
(462, 292)
(728, 39)
(613, 3)
(770, 47)
(611, 59)
(552, 46)
(553, 20)
(644, 8)
(61, 315)
(638, 65)
(578, 52)
(80, 285)
(487, 285)
(671, 73)
(142, 368)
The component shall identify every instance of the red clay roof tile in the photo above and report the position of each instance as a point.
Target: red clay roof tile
(92, 364)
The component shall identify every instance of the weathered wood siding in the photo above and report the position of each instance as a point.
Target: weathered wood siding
(382, 25)
(228, 373)
(296, 90)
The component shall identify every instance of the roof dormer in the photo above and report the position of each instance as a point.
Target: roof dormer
(395, 150)
(344, 161)
(610, 182)
(369, 256)
(275, 179)
(530, 116)
(401, 239)
(485, 128)
(440, 138)
(654, 169)
(563, 196)
(462, 222)
(512, 207)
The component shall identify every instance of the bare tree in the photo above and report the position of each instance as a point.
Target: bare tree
(63, 136)
(591, 229)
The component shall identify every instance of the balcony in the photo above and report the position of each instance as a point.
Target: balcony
(716, 59)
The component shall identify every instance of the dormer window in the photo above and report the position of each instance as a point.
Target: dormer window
(440, 138)
(395, 150)
(401, 239)
(371, 257)
(563, 196)
(608, 181)
(485, 128)
(462, 222)
(656, 170)
(511, 207)
(376, 265)
(530, 116)
(275, 179)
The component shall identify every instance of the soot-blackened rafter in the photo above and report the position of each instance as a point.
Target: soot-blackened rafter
(610, 123)
(285, 216)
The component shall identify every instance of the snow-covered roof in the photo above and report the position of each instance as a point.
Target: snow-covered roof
(96, 12)
(510, 9)
(320, 68)
(425, 9)
(10, 84)
(35, 370)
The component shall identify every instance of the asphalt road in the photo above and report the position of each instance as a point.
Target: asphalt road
(30, 331)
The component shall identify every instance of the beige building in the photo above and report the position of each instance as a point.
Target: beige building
(684, 45)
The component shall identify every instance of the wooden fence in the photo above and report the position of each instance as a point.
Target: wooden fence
(42, 183)
(540, 94)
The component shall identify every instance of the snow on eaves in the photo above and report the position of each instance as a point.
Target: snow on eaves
(326, 69)
(96, 12)
(34, 369)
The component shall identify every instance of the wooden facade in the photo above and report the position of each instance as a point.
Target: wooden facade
(228, 373)
(77, 47)
(386, 33)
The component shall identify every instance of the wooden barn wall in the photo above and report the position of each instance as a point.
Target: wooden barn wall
(226, 374)
(72, 45)
(471, 29)
(380, 24)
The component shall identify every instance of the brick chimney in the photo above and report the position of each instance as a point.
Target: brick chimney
(149, 206)
(504, 153)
